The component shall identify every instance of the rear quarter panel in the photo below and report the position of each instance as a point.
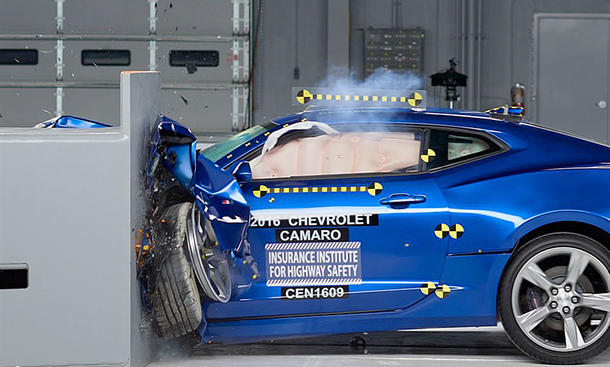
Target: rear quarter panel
(497, 202)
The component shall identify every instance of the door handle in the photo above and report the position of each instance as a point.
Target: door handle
(396, 200)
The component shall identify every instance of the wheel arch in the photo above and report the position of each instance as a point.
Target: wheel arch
(595, 231)
(587, 223)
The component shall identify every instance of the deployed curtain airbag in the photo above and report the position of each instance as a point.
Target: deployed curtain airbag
(337, 153)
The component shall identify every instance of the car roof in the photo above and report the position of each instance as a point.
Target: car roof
(522, 134)
(430, 116)
(528, 143)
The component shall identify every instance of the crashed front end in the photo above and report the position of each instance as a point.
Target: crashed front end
(215, 242)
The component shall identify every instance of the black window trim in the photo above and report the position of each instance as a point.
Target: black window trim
(475, 132)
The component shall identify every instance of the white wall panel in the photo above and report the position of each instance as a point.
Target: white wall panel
(204, 111)
(107, 17)
(195, 17)
(99, 104)
(27, 17)
(25, 107)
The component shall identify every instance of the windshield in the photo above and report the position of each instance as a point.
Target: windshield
(217, 151)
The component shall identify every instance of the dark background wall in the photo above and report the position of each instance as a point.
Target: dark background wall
(296, 43)
(503, 51)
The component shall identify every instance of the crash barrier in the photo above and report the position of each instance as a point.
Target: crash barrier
(70, 207)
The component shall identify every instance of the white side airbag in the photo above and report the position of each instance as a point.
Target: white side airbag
(339, 153)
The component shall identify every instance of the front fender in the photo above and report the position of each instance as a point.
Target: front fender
(220, 199)
(217, 193)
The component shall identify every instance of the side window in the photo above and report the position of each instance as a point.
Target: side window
(342, 153)
(453, 147)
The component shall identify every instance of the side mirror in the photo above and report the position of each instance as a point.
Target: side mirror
(242, 172)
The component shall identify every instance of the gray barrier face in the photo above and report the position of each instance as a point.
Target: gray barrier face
(69, 206)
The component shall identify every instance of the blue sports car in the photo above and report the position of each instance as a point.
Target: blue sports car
(346, 220)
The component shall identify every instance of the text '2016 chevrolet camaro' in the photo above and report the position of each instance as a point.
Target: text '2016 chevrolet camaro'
(343, 220)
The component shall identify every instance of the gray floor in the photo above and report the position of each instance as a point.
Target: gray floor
(448, 347)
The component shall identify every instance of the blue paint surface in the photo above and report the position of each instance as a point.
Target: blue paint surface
(539, 177)
(71, 122)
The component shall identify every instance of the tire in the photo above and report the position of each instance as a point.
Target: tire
(538, 310)
(176, 300)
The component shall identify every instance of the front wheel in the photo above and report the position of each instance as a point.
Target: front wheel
(209, 263)
(554, 299)
(176, 300)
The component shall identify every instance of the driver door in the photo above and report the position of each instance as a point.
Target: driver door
(342, 243)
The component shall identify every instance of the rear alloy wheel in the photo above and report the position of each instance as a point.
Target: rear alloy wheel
(209, 262)
(554, 299)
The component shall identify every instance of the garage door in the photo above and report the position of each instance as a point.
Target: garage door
(68, 58)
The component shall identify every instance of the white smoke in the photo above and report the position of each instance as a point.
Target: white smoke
(341, 82)
(380, 79)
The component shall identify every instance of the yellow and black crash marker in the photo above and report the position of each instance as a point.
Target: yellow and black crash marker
(373, 189)
(441, 231)
(415, 99)
(456, 231)
(325, 96)
(428, 155)
(427, 288)
(260, 191)
(442, 291)
(304, 96)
